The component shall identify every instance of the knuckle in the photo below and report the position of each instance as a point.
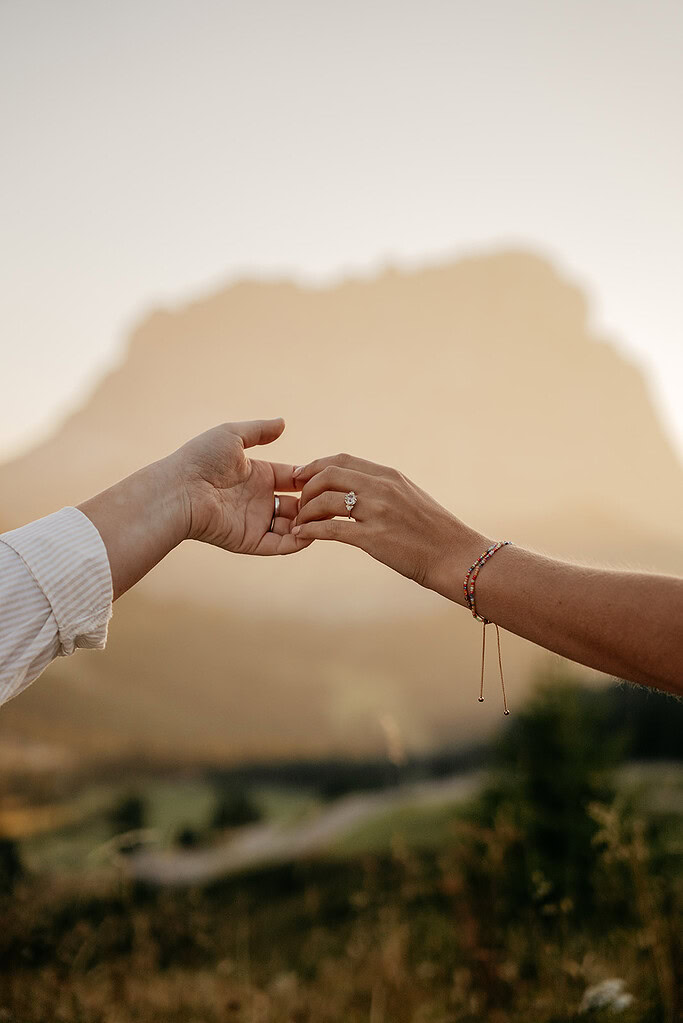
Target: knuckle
(305, 495)
(343, 459)
(311, 489)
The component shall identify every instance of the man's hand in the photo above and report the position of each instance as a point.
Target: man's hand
(207, 490)
(228, 498)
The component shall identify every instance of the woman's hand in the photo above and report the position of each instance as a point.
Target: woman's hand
(228, 498)
(393, 520)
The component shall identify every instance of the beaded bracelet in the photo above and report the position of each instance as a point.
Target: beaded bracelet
(468, 587)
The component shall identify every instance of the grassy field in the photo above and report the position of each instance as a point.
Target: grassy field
(556, 886)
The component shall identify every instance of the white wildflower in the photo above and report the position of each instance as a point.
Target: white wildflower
(608, 994)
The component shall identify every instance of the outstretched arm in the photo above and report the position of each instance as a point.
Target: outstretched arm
(59, 575)
(627, 624)
(207, 490)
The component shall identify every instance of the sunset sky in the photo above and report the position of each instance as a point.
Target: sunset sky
(154, 150)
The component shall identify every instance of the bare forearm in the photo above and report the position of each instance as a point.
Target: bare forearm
(626, 624)
(140, 519)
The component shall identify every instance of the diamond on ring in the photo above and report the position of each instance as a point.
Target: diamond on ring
(350, 502)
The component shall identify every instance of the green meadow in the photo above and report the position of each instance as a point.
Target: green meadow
(536, 879)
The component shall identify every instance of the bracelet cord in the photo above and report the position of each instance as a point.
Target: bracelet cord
(468, 587)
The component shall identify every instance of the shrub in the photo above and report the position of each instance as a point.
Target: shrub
(555, 759)
(233, 809)
(11, 868)
(128, 814)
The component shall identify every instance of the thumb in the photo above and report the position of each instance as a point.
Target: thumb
(259, 431)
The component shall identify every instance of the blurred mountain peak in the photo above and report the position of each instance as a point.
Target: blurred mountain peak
(426, 368)
(482, 379)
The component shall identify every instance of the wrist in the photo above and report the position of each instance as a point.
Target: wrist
(458, 550)
(169, 482)
(140, 519)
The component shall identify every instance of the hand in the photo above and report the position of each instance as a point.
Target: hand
(207, 490)
(394, 521)
(229, 498)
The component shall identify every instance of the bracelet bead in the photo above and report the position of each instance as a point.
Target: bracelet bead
(471, 578)
(468, 588)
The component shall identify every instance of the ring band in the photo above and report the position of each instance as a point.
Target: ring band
(276, 512)
(350, 501)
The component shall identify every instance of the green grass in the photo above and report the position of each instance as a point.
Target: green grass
(416, 827)
(171, 805)
(175, 803)
(284, 804)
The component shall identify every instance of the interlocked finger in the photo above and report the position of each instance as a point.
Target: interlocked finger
(336, 479)
(304, 473)
(287, 508)
(329, 505)
(331, 529)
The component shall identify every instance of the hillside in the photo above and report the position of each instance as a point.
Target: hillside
(483, 380)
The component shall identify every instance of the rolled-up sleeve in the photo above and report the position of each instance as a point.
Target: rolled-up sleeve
(55, 595)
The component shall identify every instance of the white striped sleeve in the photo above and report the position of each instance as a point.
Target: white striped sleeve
(55, 595)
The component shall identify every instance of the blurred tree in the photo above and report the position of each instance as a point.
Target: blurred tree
(11, 867)
(651, 721)
(234, 808)
(128, 814)
(554, 758)
(188, 837)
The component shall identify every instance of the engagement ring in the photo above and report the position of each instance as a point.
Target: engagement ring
(350, 501)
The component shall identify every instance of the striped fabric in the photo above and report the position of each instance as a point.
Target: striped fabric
(55, 595)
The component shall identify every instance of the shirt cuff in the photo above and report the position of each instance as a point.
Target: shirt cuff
(66, 556)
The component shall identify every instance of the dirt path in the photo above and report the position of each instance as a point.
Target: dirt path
(271, 842)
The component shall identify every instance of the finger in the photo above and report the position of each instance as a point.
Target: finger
(303, 473)
(288, 507)
(326, 506)
(334, 478)
(341, 530)
(274, 544)
(284, 477)
(281, 526)
(258, 431)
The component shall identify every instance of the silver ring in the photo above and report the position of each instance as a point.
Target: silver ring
(350, 501)
(276, 512)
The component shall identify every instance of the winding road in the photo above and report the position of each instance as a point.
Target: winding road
(272, 842)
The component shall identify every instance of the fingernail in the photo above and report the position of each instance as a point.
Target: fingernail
(297, 472)
(296, 529)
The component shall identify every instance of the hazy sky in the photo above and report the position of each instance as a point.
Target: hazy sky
(154, 148)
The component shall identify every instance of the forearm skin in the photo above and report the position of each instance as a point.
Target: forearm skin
(626, 624)
(140, 519)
